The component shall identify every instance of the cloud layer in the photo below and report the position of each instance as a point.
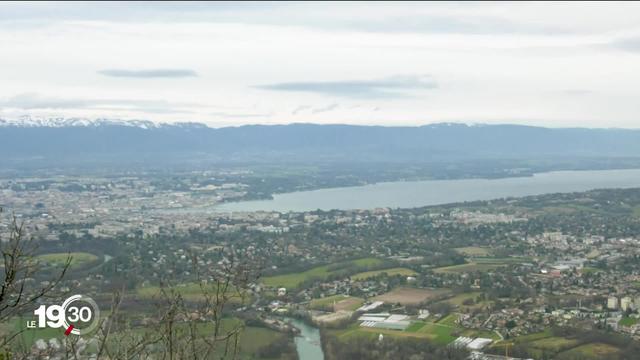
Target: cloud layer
(550, 64)
(149, 74)
(390, 87)
(35, 101)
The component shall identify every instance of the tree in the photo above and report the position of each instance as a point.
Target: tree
(185, 328)
(20, 267)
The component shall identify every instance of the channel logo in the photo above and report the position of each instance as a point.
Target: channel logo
(78, 315)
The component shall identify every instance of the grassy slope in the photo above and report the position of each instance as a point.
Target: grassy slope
(77, 258)
(293, 280)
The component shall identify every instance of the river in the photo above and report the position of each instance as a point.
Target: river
(408, 194)
(308, 343)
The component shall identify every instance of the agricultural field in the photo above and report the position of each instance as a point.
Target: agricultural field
(294, 280)
(357, 331)
(59, 259)
(554, 343)
(410, 296)
(473, 251)
(438, 333)
(560, 347)
(337, 303)
(590, 351)
(390, 272)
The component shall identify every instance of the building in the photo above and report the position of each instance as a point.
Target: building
(625, 303)
(374, 305)
(423, 314)
(612, 303)
(479, 343)
(384, 321)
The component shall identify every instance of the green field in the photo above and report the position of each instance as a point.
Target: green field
(473, 251)
(545, 342)
(390, 272)
(415, 326)
(469, 267)
(251, 338)
(590, 351)
(28, 336)
(628, 321)
(535, 336)
(59, 259)
(554, 343)
(589, 269)
(439, 333)
(446, 330)
(503, 260)
(449, 320)
(293, 280)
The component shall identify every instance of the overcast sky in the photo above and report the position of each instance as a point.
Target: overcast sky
(548, 64)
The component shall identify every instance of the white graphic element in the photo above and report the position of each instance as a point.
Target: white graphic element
(54, 316)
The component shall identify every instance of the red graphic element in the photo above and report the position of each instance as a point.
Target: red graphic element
(68, 331)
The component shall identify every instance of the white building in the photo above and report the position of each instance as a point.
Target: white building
(479, 343)
(612, 303)
(374, 305)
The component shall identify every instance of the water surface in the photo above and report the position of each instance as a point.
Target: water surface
(401, 194)
(308, 343)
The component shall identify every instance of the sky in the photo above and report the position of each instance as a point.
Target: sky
(226, 64)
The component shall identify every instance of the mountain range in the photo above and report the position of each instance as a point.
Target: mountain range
(67, 140)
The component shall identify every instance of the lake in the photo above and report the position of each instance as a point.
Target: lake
(408, 194)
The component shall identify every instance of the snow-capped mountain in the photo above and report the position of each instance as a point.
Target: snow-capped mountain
(59, 122)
